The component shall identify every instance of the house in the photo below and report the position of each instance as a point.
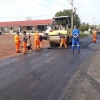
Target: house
(28, 26)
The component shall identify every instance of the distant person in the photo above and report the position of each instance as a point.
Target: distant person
(0, 32)
(94, 36)
(63, 41)
(41, 41)
(75, 39)
(17, 42)
(36, 41)
(24, 42)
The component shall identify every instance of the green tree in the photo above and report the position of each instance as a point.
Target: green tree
(92, 27)
(76, 19)
(84, 27)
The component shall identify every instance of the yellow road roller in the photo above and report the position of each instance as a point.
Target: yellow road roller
(60, 25)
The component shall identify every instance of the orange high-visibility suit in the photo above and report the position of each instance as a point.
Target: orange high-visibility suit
(94, 36)
(24, 47)
(17, 42)
(24, 43)
(63, 42)
(36, 41)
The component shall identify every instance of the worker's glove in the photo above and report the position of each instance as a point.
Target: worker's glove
(21, 42)
(77, 36)
(61, 38)
(74, 36)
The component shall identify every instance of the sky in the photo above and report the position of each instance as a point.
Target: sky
(17, 10)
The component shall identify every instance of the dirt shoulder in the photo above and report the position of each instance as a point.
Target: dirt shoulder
(7, 45)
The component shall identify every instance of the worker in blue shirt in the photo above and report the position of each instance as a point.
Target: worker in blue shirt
(75, 38)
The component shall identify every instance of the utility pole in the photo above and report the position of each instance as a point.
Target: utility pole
(71, 2)
(94, 23)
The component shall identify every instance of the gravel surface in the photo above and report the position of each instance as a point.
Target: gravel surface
(7, 45)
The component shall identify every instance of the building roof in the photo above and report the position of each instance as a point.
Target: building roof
(61, 17)
(26, 23)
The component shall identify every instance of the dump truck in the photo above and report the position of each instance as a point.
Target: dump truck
(58, 28)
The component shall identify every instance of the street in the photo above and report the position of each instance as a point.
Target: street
(53, 74)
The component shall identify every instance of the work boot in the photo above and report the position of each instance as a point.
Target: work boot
(78, 51)
(18, 51)
(66, 47)
(59, 47)
(35, 50)
(38, 49)
(72, 51)
(24, 53)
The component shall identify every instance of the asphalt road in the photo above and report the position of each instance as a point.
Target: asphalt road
(51, 74)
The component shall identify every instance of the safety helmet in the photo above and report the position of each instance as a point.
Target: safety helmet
(24, 32)
(17, 33)
(75, 26)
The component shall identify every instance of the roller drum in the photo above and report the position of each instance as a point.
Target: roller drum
(55, 40)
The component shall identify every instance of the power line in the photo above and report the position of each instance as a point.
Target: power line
(46, 6)
(34, 16)
(86, 8)
(31, 16)
(82, 12)
(43, 5)
(58, 4)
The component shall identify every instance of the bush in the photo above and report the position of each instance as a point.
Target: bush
(33, 32)
(82, 34)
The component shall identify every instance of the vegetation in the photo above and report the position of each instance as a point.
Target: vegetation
(84, 27)
(76, 21)
(83, 34)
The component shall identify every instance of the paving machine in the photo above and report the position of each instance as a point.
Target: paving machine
(58, 28)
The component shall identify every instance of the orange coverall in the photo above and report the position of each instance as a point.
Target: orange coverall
(17, 43)
(36, 41)
(94, 36)
(24, 43)
(63, 42)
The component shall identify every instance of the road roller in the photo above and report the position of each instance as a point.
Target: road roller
(58, 28)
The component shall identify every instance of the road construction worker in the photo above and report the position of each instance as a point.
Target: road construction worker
(24, 42)
(63, 41)
(36, 41)
(41, 42)
(17, 42)
(75, 38)
(94, 36)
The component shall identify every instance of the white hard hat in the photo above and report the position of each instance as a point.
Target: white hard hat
(75, 26)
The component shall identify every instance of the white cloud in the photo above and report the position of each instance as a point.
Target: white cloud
(20, 9)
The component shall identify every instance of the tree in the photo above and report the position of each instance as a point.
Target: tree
(84, 27)
(76, 19)
(92, 27)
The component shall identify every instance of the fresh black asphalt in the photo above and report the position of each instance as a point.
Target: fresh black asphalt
(40, 75)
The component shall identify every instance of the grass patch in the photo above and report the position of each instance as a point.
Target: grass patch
(82, 34)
